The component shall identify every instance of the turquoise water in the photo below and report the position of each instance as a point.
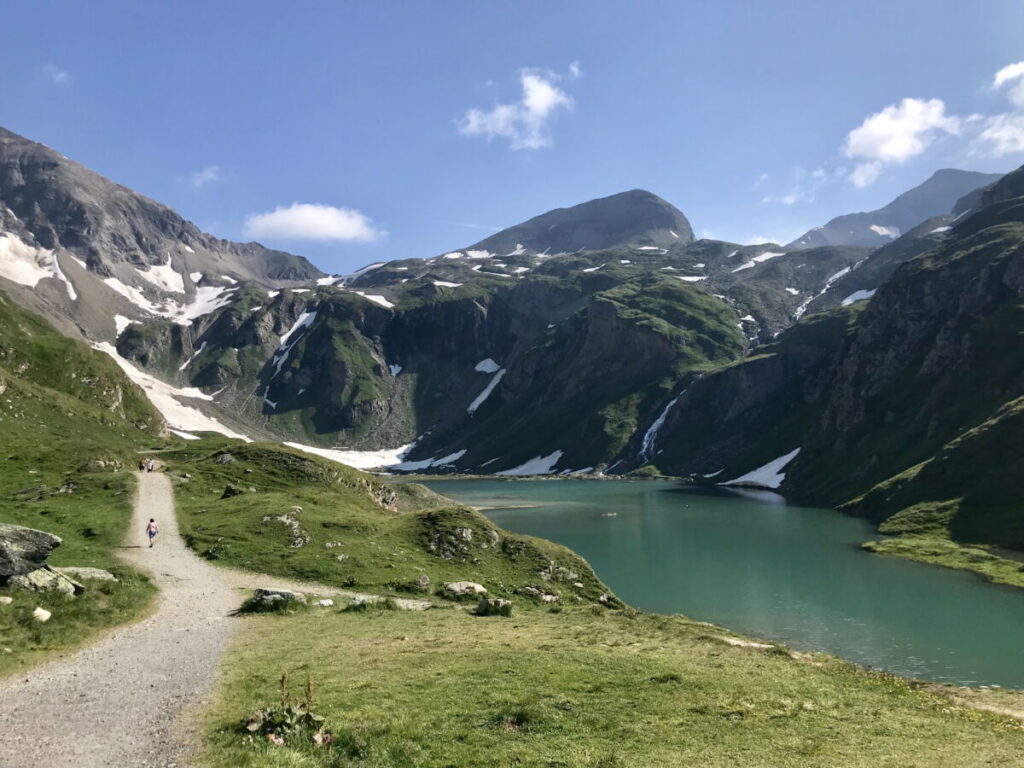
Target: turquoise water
(757, 565)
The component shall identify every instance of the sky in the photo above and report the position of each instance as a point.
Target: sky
(355, 132)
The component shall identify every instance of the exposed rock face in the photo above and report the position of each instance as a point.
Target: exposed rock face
(905, 407)
(933, 197)
(87, 574)
(636, 217)
(47, 579)
(23, 550)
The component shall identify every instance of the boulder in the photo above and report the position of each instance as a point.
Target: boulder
(268, 595)
(463, 588)
(41, 614)
(423, 582)
(87, 574)
(5, 600)
(46, 579)
(494, 606)
(325, 603)
(231, 490)
(224, 458)
(23, 549)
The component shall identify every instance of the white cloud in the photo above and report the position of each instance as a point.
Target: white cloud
(523, 123)
(1003, 134)
(207, 175)
(897, 133)
(1012, 75)
(56, 74)
(574, 70)
(312, 221)
(804, 188)
(864, 175)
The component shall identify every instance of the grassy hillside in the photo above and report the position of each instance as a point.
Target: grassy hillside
(350, 530)
(70, 424)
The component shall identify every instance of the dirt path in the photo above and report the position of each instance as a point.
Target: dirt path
(118, 704)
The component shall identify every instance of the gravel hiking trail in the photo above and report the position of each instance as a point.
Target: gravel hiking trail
(125, 701)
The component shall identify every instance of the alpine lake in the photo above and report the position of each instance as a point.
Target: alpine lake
(755, 564)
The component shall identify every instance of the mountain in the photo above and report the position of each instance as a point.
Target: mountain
(905, 408)
(636, 217)
(79, 248)
(934, 197)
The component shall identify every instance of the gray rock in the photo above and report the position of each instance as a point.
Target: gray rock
(267, 594)
(41, 614)
(23, 549)
(325, 603)
(224, 458)
(46, 579)
(462, 588)
(423, 582)
(87, 574)
(231, 490)
(5, 600)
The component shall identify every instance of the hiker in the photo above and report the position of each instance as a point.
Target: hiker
(150, 465)
(152, 530)
(142, 465)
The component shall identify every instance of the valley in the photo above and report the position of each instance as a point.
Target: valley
(871, 366)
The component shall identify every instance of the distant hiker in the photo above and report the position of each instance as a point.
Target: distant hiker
(142, 465)
(150, 465)
(152, 530)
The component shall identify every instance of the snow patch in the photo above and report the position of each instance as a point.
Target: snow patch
(520, 270)
(857, 296)
(445, 284)
(195, 277)
(376, 299)
(305, 319)
(768, 476)
(693, 278)
(23, 264)
(179, 433)
(673, 234)
(453, 255)
(762, 257)
(592, 269)
(121, 322)
(487, 365)
(324, 281)
(828, 284)
(480, 254)
(167, 399)
(193, 357)
(164, 277)
(891, 232)
(793, 291)
(187, 248)
(395, 369)
(387, 457)
(539, 465)
(939, 229)
(518, 251)
(471, 409)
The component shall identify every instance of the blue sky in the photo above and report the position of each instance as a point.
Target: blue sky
(356, 132)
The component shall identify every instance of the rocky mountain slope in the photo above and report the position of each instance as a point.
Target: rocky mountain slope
(584, 339)
(905, 406)
(933, 197)
(80, 249)
(635, 217)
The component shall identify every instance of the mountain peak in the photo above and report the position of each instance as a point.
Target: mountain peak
(633, 217)
(933, 197)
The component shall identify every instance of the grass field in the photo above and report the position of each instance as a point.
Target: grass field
(578, 688)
